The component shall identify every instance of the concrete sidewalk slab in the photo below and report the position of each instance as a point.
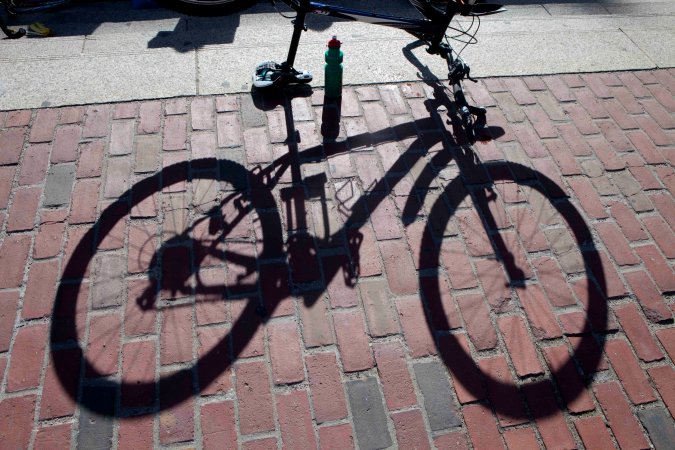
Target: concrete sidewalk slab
(529, 38)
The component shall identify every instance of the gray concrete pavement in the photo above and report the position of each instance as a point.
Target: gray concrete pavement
(106, 52)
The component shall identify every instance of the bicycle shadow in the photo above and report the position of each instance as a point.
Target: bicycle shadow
(309, 250)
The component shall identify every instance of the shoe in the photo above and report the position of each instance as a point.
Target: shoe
(269, 74)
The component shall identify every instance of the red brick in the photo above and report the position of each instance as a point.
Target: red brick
(613, 284)
(57, 436)
(481, 426)
(368, 255)
(562, 156)
(380, 310)
(44, 125)
(528, 230)
(439, 300)
(150, 117)
(71, 114)
(9, 302)
(529, 140)
(665, 205)
(660, 93)
(521, 439)
(399, 267)
(394, 375)
(40, 289)
(598, 85)
(645, 147)
(638, 333)
(229, 130)
(502, 391)
(326, 387)
(118, 174)
(138, 321)
(341, 293)
(16, 421)
(260, 444)
(384, 218)
(176, 335)
(663, 377)
(619, 416)
(135, 433)
(104, 343)
(256, 144)
(175, 133)
(654, 131)
(11, 143)
(59, 390)
(455, 440)
(18, 118)
(336, 437)
(588, 197)
(125, 111)
(582, 120)
(96, 123)
(176, 424)
(477, 321)
(275, 288)
(142, 246)
(247, 337)
(66, 144)
(629, 224)
(658, 113)
(219, 429)
(410, 430)
(620, 115)
(295, 420)
(25, 364)
(662, 234)
(91, 159)
(417, 334)
(255, 399)
(519, 345)
(577, 143)
(6, 179)
(551, 279)
(34, 165)
(541, 122)
(569, 382)
(285, 353)
(648, 295)
(457, 264)
(316, 329)
(539, 312)
(352, 340)
(629, 371)
(214, 366)
(574, 322)
(477, 242)
(84, 201)
(616, 243)
(519, 90)
(121, 137)
(21, 215)
(466, 376)
(549, 419)
(594, 433)
(138, 373)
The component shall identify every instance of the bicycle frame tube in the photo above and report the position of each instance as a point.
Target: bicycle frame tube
(420, 28)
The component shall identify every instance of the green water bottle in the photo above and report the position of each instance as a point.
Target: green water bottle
(333, 70)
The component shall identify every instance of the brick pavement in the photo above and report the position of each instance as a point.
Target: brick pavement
(389, 320)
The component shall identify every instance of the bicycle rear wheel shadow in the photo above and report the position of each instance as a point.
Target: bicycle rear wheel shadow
(93, 317)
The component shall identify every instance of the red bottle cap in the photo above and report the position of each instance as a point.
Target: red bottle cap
(334, 43)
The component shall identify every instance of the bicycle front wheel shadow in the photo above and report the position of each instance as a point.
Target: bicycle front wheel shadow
(517, 268)
(161, 293)
(207, 7)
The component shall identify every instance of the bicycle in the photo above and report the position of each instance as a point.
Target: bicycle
(221, 231)
(14, 7)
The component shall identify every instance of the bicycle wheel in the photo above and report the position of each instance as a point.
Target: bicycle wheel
(207, 7)
(535, 303)
(139, 316)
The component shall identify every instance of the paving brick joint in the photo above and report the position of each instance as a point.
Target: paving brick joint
(359, 301)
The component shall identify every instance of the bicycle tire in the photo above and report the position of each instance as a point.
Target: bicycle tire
(461, 364)
(207, 7)
(67, 329)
